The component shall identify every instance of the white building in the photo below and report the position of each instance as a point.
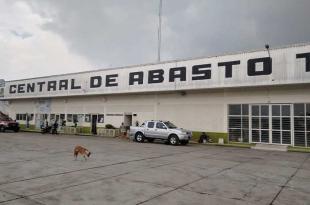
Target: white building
(251, 96)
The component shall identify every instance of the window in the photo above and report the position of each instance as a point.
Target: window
(30, 117)
(160, 125)
(87, 118)
(255, 110)
(52, 117)
(150, 124)
(62, 116)
(238, 122)
(101, 118)
(45, 116)
(170, 125)
(69, 118)
(21, 117)
(275, 110)
(75, 118)
(80, 118)
(299, 109)
(301, 124)
(234, 109)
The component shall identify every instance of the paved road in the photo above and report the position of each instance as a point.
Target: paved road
(40, 169)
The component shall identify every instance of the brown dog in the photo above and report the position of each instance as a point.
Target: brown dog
(82, 151)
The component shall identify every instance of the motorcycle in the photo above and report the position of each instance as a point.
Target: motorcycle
(46, 129)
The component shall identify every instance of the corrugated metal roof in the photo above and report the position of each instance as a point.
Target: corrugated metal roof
(171, 61)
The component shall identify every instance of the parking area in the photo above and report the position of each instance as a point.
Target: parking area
(40, 169)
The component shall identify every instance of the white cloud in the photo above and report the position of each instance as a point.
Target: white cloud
(26, 50)
(53, 37)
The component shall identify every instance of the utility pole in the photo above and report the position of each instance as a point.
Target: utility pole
(159, 30)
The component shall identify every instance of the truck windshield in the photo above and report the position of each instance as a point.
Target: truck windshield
(170, 125)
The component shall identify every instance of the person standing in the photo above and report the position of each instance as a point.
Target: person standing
(123, 130)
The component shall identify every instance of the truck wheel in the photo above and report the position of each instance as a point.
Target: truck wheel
(150, 140)
(174, 140)
(184, 142)
(2, 129)
(139, 137)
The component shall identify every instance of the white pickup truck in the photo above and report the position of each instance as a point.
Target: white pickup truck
(163, 130)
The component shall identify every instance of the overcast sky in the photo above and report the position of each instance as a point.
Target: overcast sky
(44, 37)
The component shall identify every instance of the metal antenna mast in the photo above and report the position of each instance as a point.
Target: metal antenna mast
(159, 30)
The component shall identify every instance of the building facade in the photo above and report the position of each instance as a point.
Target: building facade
(255, 97)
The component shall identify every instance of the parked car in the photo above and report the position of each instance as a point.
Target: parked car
(6, 123)
(163, 130)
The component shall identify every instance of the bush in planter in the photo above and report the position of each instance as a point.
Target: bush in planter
(109, 126)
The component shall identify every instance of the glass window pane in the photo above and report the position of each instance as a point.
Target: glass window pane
(255, 136)
(30, 117)
(255, 122)
(265, 136)
(255, 110)
(80, 117)
(87, 118)
(245, 135)
(299, 123)
(286, 137)
(150, 125)
(299, 138)
(286, 123)
(234, 135)
(299, 109)
(276, 123)
(234, 109)
(264, 110)
(286, 111)
(275, 110)
(245, 109)
(75, 118)
(69, 117)
(308, 109)
(308, 139)
(307, 124)
(276, 137)
(234, 122)
(245, 122)
(100, 118)
(160, 125)
(265, 123)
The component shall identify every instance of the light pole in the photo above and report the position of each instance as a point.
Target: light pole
(159, 30)
(267, 47)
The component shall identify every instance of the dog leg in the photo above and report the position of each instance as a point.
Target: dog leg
(75, 155)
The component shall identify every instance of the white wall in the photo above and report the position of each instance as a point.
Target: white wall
(196, 110)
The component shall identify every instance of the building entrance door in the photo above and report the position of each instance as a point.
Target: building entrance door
(281, 124)
(127, 120)
(39, 119)
(271, 123)
(94, 119)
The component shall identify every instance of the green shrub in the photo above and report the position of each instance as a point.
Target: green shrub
(23, 127)
(85, 130)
